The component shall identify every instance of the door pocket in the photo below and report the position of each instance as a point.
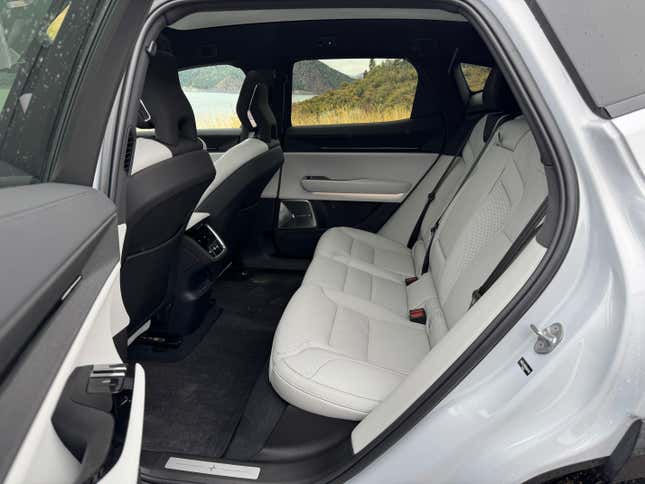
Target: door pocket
(296, 214)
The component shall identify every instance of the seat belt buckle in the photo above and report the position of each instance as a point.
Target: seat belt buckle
(410, 280)
(418, 315)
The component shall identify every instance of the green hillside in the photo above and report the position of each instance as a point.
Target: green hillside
(385, 93)
(315, 77)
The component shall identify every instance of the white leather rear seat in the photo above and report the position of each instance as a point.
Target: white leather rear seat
(340, 350)
(373, 267)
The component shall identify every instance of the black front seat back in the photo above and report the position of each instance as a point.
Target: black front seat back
(168, 175)
(244, 170)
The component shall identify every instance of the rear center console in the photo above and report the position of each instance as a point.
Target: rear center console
(207, 239)
(203, 257)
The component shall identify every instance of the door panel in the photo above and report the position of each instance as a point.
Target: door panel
(367, 177)
(52, 234)
(360, 190)
(59, 294)
(350, 175)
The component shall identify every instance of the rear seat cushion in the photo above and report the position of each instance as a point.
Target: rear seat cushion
(360, 279)
(374, 249)
(339, 356)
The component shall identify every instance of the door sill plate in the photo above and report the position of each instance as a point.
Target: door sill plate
(213, 468)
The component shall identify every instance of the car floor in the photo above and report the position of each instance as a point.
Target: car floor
(195, 403)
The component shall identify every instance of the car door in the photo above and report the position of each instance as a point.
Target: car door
(362, 134)
(70, 411)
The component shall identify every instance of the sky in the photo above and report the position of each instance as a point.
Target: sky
(351, 67)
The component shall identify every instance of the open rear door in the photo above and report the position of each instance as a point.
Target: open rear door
(69, 410)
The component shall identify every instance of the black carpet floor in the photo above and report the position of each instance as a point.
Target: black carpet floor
(194, 405)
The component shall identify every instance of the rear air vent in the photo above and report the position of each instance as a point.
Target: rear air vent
(129, 152)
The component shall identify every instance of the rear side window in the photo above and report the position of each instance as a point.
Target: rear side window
(352, 91)
(213, 92)
(40, 44)
(475, 76)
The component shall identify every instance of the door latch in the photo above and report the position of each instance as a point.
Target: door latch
(547, 338)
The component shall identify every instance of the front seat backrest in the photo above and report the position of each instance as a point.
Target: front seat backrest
(169, 173)
(244, 170)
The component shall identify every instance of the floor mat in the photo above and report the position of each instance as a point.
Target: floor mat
(194, 405)
(261, 295)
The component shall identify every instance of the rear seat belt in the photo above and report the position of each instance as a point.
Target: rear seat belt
(527, 234)
(432, 195)
(426, 259)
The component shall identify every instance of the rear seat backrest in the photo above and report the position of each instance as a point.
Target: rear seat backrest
(498, 100)
(503, 192)
(471, 151)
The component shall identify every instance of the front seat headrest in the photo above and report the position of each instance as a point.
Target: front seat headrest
(253, 107)
(497, 95)
(169, 111)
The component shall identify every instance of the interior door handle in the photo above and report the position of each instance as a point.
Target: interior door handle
(365, 186)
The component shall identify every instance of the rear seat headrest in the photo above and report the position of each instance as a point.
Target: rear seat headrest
(497, 95)
(253, 107)
(170, 112)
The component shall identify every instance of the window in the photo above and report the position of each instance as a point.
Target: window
(40, 44)
(213, 92)
(352, 91)
(475, 76)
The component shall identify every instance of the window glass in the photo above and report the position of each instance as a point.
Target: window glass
(475, 76)
(213, 92)
(40, 42)
(352, 91)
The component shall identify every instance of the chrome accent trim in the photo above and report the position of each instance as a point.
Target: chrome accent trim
(71, 287)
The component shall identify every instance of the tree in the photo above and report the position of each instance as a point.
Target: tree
(372, 64)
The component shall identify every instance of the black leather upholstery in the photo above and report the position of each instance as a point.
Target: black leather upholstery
(232, 203)
(170, 112)
(497, 95)
(162, 196)
(253, 107)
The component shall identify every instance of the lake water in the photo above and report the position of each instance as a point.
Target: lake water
(212, 106)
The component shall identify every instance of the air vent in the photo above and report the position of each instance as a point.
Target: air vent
(129, 152)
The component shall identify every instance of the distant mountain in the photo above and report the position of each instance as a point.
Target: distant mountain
(311, 77)
(221, 78)
(315, 77)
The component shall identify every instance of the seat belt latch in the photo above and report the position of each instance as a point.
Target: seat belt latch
(418, 315)
(410, 280)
